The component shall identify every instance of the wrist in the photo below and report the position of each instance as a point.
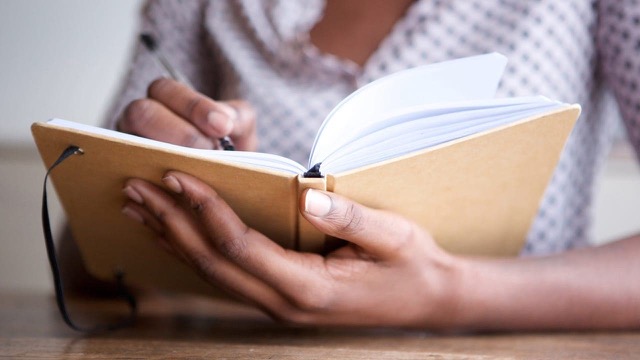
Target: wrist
(490, 294)
(465, 288)
(446, 291)
(467, 298)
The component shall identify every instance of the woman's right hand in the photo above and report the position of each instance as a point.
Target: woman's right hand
(177, 114)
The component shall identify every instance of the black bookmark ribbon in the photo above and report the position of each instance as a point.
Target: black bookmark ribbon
(55, 269)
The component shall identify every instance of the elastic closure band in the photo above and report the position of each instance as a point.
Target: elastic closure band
(55, 269)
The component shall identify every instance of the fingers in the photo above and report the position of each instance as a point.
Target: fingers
(212, 118)
(178, 230)
(244, 133)
(383, 234)
(175, 113)
(152, 120)
(289, 283)
(287, 271)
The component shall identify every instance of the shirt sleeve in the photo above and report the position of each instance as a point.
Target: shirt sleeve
(179, 29)
(618, 37)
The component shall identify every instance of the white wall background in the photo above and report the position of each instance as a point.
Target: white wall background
(65, 58)
(61, 58)
(58, 58)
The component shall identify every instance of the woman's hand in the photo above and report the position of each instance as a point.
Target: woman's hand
(390, 272)
(177, 114)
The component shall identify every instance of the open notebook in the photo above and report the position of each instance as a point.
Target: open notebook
(430, 143)
(386, 137)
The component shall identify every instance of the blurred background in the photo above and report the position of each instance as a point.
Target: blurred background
(66, 59)
(61, 58)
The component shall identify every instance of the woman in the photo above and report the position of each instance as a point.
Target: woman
(267, 73)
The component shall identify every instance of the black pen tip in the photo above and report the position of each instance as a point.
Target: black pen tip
(148, 41)
(226, 144)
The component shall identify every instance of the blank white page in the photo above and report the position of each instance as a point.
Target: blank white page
(474, 77)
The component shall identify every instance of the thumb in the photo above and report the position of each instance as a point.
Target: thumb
(243, 132)
(381, 233)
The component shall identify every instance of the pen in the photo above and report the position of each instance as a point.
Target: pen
(151, 45)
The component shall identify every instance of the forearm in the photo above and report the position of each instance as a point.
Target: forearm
(593, 288)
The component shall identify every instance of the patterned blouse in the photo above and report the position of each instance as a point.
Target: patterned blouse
(576, 51)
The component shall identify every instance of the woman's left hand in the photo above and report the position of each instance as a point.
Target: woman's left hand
(390, 272)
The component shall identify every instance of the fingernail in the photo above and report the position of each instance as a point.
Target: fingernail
(132, 194)
(219, 123)
(172, 183)
(317, 203)
(132, 214)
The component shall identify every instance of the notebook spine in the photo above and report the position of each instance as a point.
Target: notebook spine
(309, 239)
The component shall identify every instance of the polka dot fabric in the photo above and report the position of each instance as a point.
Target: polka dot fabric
(571, 50)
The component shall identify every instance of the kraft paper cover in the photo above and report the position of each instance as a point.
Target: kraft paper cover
(90, 189)
(477, 195)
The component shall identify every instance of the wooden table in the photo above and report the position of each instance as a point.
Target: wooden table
(171, 327)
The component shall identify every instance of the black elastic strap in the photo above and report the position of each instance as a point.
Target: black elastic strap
(55, 269)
